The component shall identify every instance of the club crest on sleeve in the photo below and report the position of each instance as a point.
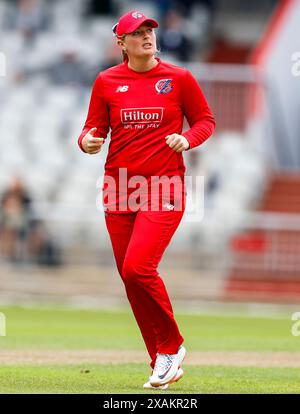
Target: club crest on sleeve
(164, 86)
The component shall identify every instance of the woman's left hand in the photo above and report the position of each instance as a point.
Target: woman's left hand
(177, 142)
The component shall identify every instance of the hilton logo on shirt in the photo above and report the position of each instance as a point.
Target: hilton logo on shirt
(141, 115)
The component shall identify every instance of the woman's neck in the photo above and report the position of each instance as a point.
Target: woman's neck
(142, 65)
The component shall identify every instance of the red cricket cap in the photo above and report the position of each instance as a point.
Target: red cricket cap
(130, 21)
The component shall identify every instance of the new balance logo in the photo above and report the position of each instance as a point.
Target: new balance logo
(122, 88)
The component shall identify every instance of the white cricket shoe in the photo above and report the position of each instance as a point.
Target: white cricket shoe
(178, 375)
(165, 369)
(148, 386)
(181, 354)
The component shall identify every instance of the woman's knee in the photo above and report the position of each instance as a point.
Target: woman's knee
(133, 271)
(129, 271)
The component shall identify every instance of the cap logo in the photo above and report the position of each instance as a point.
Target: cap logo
(137, 15)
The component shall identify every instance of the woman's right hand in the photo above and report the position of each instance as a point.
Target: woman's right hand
(91, 144)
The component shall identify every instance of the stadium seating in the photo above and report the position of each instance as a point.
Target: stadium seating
(42, 121)
(265, 262)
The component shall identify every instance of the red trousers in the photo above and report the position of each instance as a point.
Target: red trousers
(139, 240)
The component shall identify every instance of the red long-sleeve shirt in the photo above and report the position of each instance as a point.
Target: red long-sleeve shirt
(142, 108)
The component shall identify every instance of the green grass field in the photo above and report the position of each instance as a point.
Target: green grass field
(65, 329)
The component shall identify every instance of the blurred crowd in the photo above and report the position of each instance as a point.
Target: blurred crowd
(49, 40)
(66, 43)
(54, 51)
(184, 31)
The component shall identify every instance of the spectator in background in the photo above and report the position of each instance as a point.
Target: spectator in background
(21, 236)
(112, 58)
(100, 7)
(187, 5)
(28, 17)
(172, 38)
(15, 217)
(68, 69)
(41, 247)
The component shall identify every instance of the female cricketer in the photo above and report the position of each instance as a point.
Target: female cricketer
(144, 101)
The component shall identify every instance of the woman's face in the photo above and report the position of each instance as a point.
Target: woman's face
(141, 42)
